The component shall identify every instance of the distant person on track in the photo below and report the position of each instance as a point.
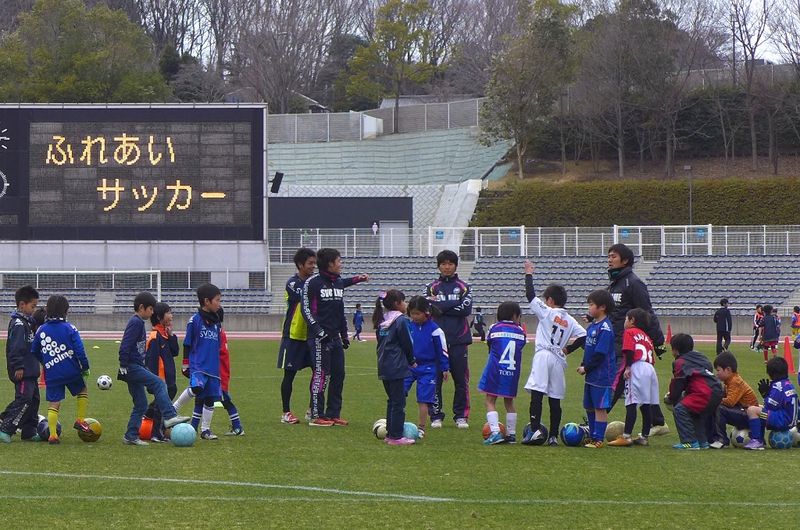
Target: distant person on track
(757, 316)
(724, 325)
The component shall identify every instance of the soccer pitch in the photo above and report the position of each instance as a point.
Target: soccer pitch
(297, 476)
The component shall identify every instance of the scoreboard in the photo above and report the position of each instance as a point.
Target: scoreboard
(132, 172)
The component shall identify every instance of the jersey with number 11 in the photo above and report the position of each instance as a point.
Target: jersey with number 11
(501, 375)
(556, 328)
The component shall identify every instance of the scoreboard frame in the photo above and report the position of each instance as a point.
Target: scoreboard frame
(20, 117)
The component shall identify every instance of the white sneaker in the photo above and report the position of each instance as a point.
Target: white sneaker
(716, 444)
(135, 441)
(436, 424)
(659, 430)
(208, 435)
(461, 423)
(172, 422)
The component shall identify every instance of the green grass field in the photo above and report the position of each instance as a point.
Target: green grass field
(293, 475)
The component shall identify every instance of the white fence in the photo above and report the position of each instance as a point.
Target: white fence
(344, 126)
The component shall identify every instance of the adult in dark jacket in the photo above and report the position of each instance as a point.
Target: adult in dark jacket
(724, 324)
(23, 369)
(452, 298)
(630, 292)
(323, 310)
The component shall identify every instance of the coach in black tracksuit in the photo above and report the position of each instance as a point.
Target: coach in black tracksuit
(23, 371)
(724, 325)
(323, 309)
(630, 292)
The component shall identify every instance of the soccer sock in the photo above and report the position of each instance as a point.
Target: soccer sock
(83, 404)
(590, 419)
(647, 419)
(208, 413)
(52, 421)
(183, 399)
(511, 422)
(555, 415)
(630, 419)
(494, 421)
(536, 409)
(756, 429)
(601, 430)
(233, 412)
(286, 388)
(197, 413)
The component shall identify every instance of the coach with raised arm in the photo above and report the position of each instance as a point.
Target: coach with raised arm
(630, 292)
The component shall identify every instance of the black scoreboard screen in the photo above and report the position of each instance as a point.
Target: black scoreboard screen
(132, 172)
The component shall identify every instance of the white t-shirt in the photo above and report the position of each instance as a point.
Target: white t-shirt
(556, 328)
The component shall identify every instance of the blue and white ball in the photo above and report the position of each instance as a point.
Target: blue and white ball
(572, 435)
(740, 437)
(104, 382)
(410, 431)
(781, 439)
(539, 436)
(43, 428)
(183, 435)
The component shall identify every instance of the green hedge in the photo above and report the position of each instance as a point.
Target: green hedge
(734, 201)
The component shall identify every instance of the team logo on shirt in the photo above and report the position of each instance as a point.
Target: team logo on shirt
(209, 333)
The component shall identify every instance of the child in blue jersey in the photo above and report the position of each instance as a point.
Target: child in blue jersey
(501, 375)
(201, 348)
(395, 360)
(59, 348)
(599, 365)
(358, 323)
(430, 351)
(779, 412)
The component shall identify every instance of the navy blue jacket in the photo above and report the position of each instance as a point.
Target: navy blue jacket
(160, 354)
(323, 304)
(453, 298)
(133, 343)
(18, 347)
(395, 347)
(630, 292)
(723, 319)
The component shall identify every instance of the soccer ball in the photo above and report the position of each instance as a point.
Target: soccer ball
(572, 435)
(379, 429)
(410, 431)
(96, 428)
(183, 435)
(740, 437)
(43, 429)
(614, 430)
(795, 435)
(487, 430)
(539, 437)
(780, 439)
(104, 382)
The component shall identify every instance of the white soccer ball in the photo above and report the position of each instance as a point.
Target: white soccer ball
(614, 430)
(795, 436)
(379, 429)
(104, 382)
(740, 437)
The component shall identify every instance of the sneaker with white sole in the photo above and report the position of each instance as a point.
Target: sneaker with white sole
(208, 435)
(289, 418)
(436, 424)
(495, 438)
(172, 422)
(659, 430)
(717, 444)
(641, 440)
(135, 441)
(235, 432)
(462, 423)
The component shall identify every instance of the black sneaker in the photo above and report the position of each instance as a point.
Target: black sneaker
(511, 438)
(552, 441)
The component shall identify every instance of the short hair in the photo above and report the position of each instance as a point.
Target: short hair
(724, 301)
(759, 306)
(768, 309)
(207, 291)
(447, 255)
(557, 292)
(302, 255)
(159, 310)
(726, 360)
(625, 253)
(325, 257)
(640, 317)
(26, 294)
(57, 306)
(682, 343)
(508, 310)
(143, 299)
(358, 306)
(777, 368)
(796, 309)
(601, 297)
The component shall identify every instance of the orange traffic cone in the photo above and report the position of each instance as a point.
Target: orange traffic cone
(669, 334)
(787, 354)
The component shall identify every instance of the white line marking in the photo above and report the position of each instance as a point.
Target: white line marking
(366, 496)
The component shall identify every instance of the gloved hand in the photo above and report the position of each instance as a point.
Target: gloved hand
(122, 373)
(345, 341)
(660, 351)
(763, 387)
(185, 368)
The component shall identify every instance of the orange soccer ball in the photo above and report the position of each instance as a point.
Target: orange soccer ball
(487, 431)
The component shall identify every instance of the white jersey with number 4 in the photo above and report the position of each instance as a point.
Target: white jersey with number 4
(556, 328)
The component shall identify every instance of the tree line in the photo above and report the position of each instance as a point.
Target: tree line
(568, 79)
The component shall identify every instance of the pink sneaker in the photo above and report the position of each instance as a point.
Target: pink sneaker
(400, 441)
